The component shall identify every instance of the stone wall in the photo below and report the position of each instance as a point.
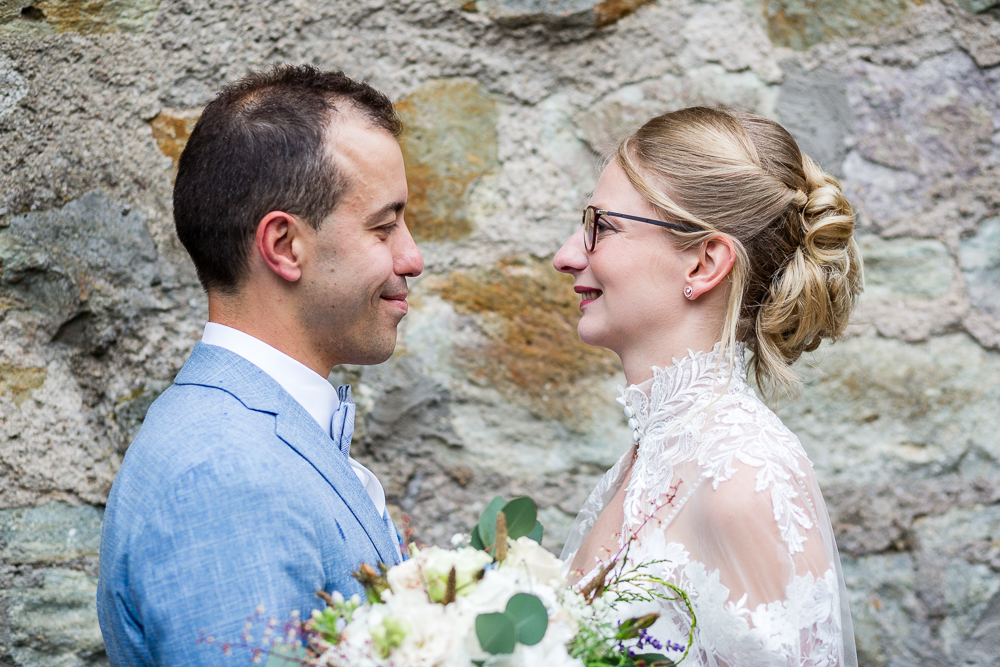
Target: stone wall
(508, 103)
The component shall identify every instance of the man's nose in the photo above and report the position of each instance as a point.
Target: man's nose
(407, 259)
(572, 256)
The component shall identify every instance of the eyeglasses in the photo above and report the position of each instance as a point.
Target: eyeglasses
(592, 216)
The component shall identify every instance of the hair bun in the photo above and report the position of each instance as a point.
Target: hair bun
(813, 293)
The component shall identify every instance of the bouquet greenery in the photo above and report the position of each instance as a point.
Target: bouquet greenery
(496, 600)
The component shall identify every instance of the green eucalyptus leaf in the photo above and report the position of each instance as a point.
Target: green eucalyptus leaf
(521, 516)
(529, 616)
(488, 522)
(537, 532)
(496, 633)
(477, 542)
(286, 655)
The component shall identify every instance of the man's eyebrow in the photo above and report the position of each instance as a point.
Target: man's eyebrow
(379, 215)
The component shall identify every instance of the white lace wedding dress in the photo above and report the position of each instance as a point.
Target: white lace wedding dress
(746, 535)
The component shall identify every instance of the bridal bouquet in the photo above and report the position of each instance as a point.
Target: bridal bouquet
(497, 600)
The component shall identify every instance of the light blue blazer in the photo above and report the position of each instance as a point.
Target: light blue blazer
(231, 497)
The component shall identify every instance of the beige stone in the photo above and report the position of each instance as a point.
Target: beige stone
(450, 140)
(171, 129)
(799, 24)
(532, 354)
(81, 16)
(18, 382)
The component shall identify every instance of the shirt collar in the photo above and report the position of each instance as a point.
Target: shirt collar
(310, 389)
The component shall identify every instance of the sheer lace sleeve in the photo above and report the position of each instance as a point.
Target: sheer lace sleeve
(759, 597)
(738, 522)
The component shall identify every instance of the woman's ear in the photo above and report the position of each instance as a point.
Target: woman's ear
(279, 241)
(716, 257)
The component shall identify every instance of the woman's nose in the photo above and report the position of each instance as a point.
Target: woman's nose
(572, 257)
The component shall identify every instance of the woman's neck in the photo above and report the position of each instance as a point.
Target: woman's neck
(638, 360)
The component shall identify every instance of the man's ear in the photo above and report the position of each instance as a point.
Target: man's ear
(716, 257)
(279, 241)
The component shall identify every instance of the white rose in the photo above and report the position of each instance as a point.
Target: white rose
(527, 555)
(436, 563)
(493, 592)
(405, 576)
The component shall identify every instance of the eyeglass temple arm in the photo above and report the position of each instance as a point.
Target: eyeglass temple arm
(658, 223)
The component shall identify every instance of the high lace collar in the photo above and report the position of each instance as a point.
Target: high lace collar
(696, 379)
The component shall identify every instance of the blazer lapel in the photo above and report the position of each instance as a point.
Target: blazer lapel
(308, 439)
(214, 366)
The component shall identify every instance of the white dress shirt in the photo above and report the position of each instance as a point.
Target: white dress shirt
(310, 389)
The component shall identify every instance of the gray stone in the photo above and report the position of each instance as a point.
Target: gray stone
(926, 160)
(13, 87)
(982, 646)
(729, 33)
(50, 533)
(86, 268)
(527, 11)
(555, 13)
(880, 517)
(980, 257)
(883, 605)
(54, 624)
(875, 410)
(813, 107)
(893, 595)
(977, 6)
(905, 268)
(980, 37)
(622, 112)
(967, 587)
(910, 289)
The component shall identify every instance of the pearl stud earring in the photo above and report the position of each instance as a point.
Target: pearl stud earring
(688, 292)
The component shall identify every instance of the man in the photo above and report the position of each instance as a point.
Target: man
(238, 492)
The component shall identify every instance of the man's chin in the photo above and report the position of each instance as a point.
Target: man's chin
(373, 350)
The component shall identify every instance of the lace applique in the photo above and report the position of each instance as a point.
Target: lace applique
(701, 409)
(803, 629)
(701, 415)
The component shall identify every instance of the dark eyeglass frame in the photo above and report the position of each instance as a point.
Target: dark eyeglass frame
(592, 214)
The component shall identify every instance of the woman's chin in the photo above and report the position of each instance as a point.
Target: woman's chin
(591, 335)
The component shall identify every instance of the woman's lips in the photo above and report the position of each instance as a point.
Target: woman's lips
(588, 293)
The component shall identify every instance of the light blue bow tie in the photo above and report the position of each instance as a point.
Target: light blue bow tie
(342, 426)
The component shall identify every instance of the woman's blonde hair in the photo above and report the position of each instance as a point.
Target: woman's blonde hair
(798, 270)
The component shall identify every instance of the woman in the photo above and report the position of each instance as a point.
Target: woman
(710, 235)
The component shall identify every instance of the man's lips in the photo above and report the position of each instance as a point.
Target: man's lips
(397, 300)
(588, 293)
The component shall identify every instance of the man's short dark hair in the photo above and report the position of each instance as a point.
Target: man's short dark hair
(258, 147)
